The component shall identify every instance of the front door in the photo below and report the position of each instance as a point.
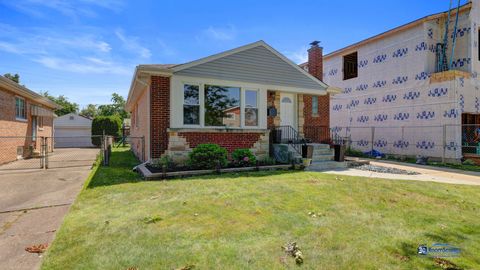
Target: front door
(287, 110)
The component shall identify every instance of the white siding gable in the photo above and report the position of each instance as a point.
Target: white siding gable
(72, 120)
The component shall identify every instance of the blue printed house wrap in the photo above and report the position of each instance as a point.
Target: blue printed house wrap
(395, 93)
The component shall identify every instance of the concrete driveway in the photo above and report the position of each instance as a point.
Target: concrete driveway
(33, 203)
(426, 173)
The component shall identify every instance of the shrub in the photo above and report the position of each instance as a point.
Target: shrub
(163, 161)
(469, 162)
(268, 161)
(112, 125)
(207, 156)
(243, 157)
(354, 153)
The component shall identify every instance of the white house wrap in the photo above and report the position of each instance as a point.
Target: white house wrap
(396, 101)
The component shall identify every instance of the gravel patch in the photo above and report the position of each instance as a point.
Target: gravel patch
(381, 169)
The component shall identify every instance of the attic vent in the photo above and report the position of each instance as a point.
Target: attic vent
(71, 117)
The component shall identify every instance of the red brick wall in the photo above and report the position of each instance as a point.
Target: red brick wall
(159, 115)
(21, 130)
(316, 126)
(230, 141)
(315, 62)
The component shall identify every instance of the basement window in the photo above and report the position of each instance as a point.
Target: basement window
(350, 66)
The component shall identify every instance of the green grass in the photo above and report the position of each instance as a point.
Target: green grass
(240, 221)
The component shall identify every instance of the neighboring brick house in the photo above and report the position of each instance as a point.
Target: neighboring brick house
(177, 107)
(25, 117)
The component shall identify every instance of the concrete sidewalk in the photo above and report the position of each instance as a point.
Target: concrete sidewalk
(33, 203)
(427, 173)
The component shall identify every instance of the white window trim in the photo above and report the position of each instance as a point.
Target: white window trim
(200, 102)
(201, 93)
(24, 107)
(257, 91)
(177, 101)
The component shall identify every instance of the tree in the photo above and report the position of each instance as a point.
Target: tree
(67, 106)
(217, 100)
(90, 111)
(116, 108)
(15, 77)
(108, 125)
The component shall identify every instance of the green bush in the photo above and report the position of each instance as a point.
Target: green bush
(163, 161)
(243, 157)
(112, 125)
(207, 156)
(268, 161)
(469, 162)
(354, 153)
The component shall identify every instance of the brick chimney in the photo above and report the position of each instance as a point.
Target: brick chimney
(315, 60)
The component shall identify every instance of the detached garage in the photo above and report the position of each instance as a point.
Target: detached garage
(73, 130)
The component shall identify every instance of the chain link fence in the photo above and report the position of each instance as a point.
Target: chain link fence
(447, 142)
(30, 150)
(24, 152)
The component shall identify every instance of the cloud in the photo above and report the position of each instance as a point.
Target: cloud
(68, 8)
(85, 66)
(86, 42)
(299, 56)
(165, 49)
(69, 51)
(8, 47)
(227, 33)
(131, 44)
(25, 43)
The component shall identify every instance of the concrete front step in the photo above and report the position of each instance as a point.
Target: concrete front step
(319, 146)
(323, 152)
(322, 157)
(325, 166)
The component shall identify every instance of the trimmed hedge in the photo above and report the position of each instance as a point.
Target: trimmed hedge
(207, 156)
(111, 124)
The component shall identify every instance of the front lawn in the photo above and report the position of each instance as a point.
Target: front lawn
(240, 221)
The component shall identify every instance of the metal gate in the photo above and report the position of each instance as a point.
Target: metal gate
(28, 153)
(73, 151)
(38, 153)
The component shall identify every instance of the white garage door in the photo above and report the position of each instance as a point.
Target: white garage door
(72, 137)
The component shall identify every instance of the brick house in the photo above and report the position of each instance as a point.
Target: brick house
(177, 107)
(25, 116)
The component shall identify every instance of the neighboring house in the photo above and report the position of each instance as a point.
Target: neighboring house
(177, 107)
(232, 117)
(73, 130)
(394, 93)
(25, 117)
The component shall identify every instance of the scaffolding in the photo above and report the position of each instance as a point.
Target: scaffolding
(441, 49)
